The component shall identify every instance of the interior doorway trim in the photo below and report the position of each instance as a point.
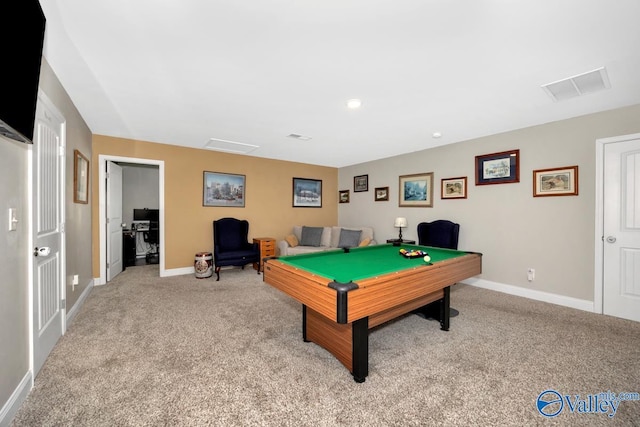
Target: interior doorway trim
(599, 231)
(102, 206)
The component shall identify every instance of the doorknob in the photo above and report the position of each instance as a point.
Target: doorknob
(44, 251)
(611, 239)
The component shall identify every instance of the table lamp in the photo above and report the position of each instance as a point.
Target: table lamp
(400, 222)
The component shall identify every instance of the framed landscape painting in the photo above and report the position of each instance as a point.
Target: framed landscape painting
(416, 190)
(223, 189)
(454, 188)
(360, 183)
(382, 194)
(555, 182)
(307, 193)
(498, 168)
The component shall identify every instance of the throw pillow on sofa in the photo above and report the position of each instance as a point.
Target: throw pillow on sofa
(311, 236)
(292, 240)
(349, 238)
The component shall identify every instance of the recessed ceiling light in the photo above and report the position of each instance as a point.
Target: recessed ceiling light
(354, 103)
(436, 135)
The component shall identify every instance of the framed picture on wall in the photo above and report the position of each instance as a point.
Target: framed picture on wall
(307, 193)
(381, 194)
(223, 189)
(343, 196)
(498, 168)
(555, 182)
(80, 178)
(416, 190)
(454, 188)
(360, 183)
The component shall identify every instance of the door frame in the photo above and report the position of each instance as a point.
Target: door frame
(102, 208)
(598, 292)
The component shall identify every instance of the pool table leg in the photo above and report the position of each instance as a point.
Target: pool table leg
(360, 352)
(444, 309)
(304, 323)
(358, 363)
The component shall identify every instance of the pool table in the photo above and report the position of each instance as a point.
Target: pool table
(346, 292)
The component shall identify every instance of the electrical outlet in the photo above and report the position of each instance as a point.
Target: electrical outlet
(531, 274)
(75, 279)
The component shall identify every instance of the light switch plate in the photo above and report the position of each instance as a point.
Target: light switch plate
(13, 219)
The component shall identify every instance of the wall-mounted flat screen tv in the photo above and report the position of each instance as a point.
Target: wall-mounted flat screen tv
(21, 50)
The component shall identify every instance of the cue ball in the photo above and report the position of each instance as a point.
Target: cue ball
(427, 258)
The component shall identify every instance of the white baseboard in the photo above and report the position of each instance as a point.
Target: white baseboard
(179, 271)
(18, 396)
(565, 301)
(71, 314)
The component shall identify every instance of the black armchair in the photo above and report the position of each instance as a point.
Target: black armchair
(231, 245)
(441, 233)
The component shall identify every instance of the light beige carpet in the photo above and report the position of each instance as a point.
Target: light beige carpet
(181, 351)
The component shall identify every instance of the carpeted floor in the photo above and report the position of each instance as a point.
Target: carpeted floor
(181, 351)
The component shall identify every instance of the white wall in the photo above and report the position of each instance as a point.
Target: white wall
(14, 256)
(140, 185)
(512, 229)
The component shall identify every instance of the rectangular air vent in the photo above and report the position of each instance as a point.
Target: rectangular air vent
(300, 137)
(580, 84)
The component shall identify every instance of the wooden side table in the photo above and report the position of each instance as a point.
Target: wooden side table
(398, 242)
(267, 248)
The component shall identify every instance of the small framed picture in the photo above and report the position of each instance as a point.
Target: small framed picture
(223, 189)
(344, 196)
(416, 190)
(360, 183)
(498, 168)
(307, 193)
(454, 188)
(555, 182)
(381, 194)
(80, 178)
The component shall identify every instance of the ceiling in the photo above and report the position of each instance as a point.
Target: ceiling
(184, 72)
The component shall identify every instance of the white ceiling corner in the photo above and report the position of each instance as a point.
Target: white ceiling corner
(180, 72)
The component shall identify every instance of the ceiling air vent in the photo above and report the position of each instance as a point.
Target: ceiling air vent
(571, 87)
(229, 146)
(300, 137)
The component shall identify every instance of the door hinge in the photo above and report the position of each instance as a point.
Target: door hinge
(108, 220)
(108, 265)
(63, 304)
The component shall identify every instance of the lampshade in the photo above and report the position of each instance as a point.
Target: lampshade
(400, 222)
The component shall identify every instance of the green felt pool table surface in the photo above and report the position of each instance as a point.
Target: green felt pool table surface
(365, 262)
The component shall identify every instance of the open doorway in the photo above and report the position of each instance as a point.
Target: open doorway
(129, 162)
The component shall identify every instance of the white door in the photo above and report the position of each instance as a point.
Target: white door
(48, 159)
(621, 273)
(114, 220)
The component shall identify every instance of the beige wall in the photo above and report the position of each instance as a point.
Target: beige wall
(188, 224)
(514, 230)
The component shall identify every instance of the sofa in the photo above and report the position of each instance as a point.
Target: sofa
(305, 239)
